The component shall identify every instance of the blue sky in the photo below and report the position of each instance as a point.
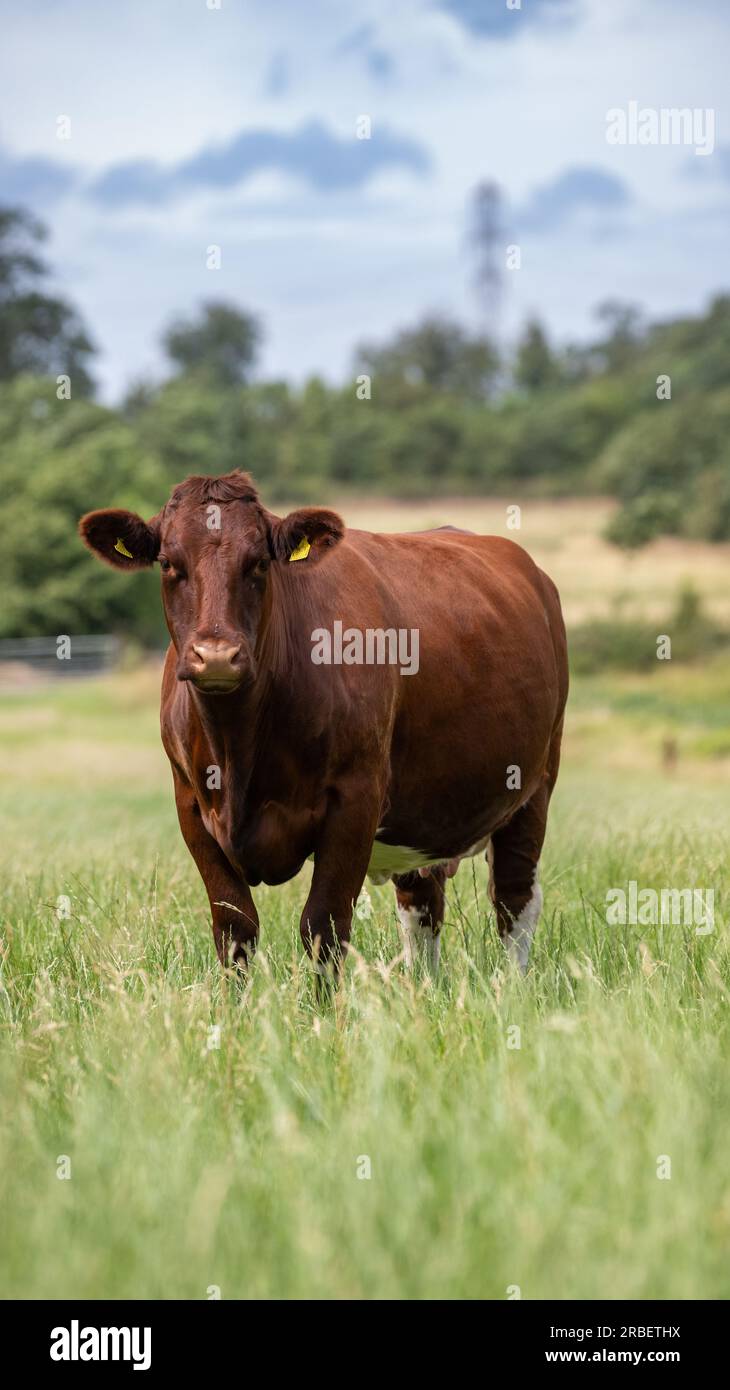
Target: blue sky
(236, 126)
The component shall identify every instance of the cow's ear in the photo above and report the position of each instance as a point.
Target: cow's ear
(121, 538)
(306, 534)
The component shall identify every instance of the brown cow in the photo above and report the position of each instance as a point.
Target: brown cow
(385, 704)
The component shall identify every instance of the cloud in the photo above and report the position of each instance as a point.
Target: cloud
(278, 77)
(34, 180)
(492, 19)
(312, 153)
(576, 190)
(717, 166)
(132, 253)
(363, 42)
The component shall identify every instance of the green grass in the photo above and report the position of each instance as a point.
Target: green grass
(237, 1166)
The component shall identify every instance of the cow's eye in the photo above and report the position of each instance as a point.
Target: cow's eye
(173, 571)
(259, 569)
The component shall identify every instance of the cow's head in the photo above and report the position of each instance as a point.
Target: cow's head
(218, 550)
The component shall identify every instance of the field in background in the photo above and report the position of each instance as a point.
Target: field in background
(222, 1141)
(565, 537)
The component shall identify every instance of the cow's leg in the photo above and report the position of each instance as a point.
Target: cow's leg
(235, 920)
(514, 859)
(340, 862)
(420, 904)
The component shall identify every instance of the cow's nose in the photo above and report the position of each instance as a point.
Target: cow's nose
(213, 654)
(215, 664)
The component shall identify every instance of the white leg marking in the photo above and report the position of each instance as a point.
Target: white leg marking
(520, 937)
(418, 939)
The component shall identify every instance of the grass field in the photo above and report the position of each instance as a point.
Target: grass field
(223, 1142)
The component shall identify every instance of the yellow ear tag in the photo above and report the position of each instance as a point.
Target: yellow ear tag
(121, 547)
(301, 551)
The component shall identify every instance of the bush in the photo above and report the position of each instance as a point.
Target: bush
(670, 466)
(631, 645)
(62, 459)
(643, 519)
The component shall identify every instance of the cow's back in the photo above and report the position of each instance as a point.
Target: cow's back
(469, 596)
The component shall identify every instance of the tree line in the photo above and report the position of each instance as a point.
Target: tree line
(640, 413)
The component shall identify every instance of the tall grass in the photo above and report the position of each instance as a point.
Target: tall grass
(393, 1143)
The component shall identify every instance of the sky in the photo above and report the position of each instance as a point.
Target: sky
(147, 132)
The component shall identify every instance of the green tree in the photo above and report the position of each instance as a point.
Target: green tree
(61, 459)
(623, 333)
(670, 468)
(221, 343)
(535, 366)
(39, 333)
(438, 355)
